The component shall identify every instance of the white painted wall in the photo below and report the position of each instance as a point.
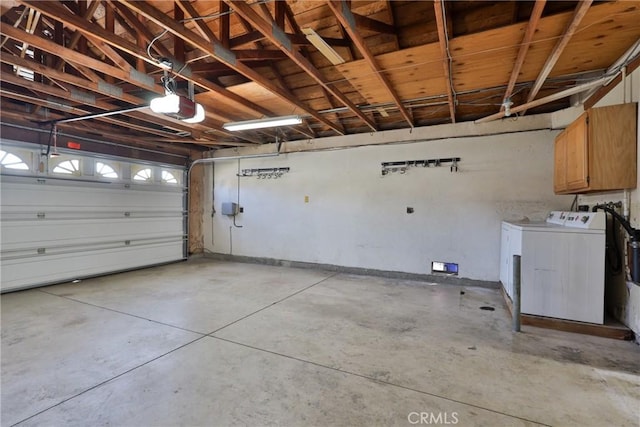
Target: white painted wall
(623, 297)
(357, 218)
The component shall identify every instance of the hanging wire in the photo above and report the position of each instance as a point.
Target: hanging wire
(158, 59)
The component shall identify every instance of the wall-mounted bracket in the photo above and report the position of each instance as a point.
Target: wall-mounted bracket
(402, 167)
(264, 173)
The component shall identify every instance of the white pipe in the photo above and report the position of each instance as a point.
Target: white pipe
(626, 195)
(213, 160)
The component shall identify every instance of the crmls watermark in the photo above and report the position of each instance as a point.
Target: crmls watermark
(433, 418)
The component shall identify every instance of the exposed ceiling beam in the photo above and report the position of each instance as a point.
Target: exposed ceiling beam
(280, 13)
(545, 100)
(536, 14)
(191, 11)
(446, 57)
(578, 14)
(76, 57)
(201, 26)
(224, 24)
(346, 18)
(112, 92)
(597, 94)
(304, 129)
(296, 39)
(219, 52)
(82, 97)
(279, 38)
(142, 29)
(75, 39)
(80, 132)
(60, 13)
(366, 23)
(79, 111)
(303, 49)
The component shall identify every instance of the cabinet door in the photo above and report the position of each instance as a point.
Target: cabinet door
(577, 155)
(560, 163)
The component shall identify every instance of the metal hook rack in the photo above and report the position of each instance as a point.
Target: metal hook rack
(402, 167)
(264, 173)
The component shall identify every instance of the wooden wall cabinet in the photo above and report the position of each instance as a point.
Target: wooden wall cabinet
(597, 152)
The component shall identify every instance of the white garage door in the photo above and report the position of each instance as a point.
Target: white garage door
(77, 216)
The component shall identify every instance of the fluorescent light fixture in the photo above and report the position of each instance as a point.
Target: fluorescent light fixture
(268, 122)
(178, 106)
(324, 48)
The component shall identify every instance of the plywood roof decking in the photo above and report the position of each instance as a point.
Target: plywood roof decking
(484, 39)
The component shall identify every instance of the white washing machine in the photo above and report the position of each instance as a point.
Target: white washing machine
(562, 265)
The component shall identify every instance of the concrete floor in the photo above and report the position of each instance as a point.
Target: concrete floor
(212, 343)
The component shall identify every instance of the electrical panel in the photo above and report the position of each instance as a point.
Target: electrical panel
(230, 208)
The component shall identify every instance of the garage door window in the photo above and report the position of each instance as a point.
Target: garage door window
(143, 175)
(11, 161)
(168, 177)
(105, 171)
(68, 167)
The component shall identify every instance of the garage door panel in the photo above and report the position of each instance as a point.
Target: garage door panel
(55, 229)
(23, 273)
(57, 197)
(25, 234)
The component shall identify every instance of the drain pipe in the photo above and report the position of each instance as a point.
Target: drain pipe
(213, 160)
(634, 237)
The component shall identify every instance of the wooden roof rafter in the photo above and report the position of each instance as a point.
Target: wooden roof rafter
(191, 11)
(217, 51)
(85, 27)
(99, 86)
(580, 11)
(284, 43)
(139, 26)
(279, 17)
(88, 98)
(342, 12)
(290, 18)
(438, 6)
(536, 14)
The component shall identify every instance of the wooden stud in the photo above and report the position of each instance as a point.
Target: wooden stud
(178, 42)
(137, 22)
(280, 14)
(536, 14)
(266, 29)
(85, 27)
(295, 28)
(366, 23)
(579, 13)
(547, 99)
(345, 17)
(446, 58)
(214, 50)
(224, 33)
